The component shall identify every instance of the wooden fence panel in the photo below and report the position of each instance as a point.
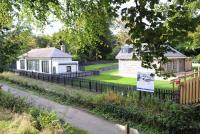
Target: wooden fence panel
(190, 91)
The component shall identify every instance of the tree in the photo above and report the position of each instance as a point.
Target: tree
(8, 48)
(149, 21)
(192, 45)
(43, 41)
(159, 26)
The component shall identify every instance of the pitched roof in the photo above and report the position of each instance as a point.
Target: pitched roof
(174, 54)
(170, 54)
(50, 52)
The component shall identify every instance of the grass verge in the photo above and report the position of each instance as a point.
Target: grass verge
(111, 77)
(97, 66)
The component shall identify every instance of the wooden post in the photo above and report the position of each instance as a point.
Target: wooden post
(127, 129)
(185, 78)
(194, 73)
(198, 70)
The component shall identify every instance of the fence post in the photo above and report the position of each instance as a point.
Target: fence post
(101, 88)
(127, 129)
(159, 94)
(113, 87)
(90, 85)
(72, 82)
(80, 83)
(96, 87)
(64, 80)
(163, 94)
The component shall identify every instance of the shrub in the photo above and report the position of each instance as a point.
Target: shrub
(16, 104)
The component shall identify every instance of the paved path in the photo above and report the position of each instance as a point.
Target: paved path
(76, 117)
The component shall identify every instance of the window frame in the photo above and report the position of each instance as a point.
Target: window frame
(69, 70)
(54, 70)
(45, 66)
(22, 67)
(33, 65)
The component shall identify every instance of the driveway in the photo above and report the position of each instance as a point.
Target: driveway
(76, 117)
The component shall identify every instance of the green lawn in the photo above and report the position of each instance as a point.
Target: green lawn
(110, 77)
(97, 66)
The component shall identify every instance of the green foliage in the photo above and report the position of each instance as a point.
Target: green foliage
(49, 120)
(115, 51)
(10, 102)
(13, 42)
(160, 26)
(41, 120)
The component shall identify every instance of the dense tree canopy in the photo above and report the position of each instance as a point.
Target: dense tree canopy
(12, 43)
(87, 22)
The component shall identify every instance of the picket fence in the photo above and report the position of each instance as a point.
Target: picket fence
(190, 91)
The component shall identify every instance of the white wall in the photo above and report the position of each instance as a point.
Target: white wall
(18, 64)
(54, 62)
(63, 68)
(66, 62)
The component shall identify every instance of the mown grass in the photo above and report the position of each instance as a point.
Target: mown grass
(110, 76)
(97, 66)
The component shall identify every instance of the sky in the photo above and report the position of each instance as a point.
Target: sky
(56, 25)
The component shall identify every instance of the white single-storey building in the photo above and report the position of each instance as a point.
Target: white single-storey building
(48, 60)
(128, 66)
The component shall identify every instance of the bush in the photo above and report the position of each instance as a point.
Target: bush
(15, 104)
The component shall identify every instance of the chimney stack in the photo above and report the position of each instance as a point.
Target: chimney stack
(62, 48)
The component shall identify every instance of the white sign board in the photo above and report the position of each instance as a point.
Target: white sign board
(145, 81)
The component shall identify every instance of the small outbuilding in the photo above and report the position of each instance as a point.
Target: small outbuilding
(128, 66)
(48, 60)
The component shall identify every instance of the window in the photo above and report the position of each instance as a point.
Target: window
(169, 66)
(33, 65)
(29, 65)
(54, 70)
(127, 50)
(124, 50)
(37, 65)
(45, 66)
(175, 66)
(69, 69)
(22, 64)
